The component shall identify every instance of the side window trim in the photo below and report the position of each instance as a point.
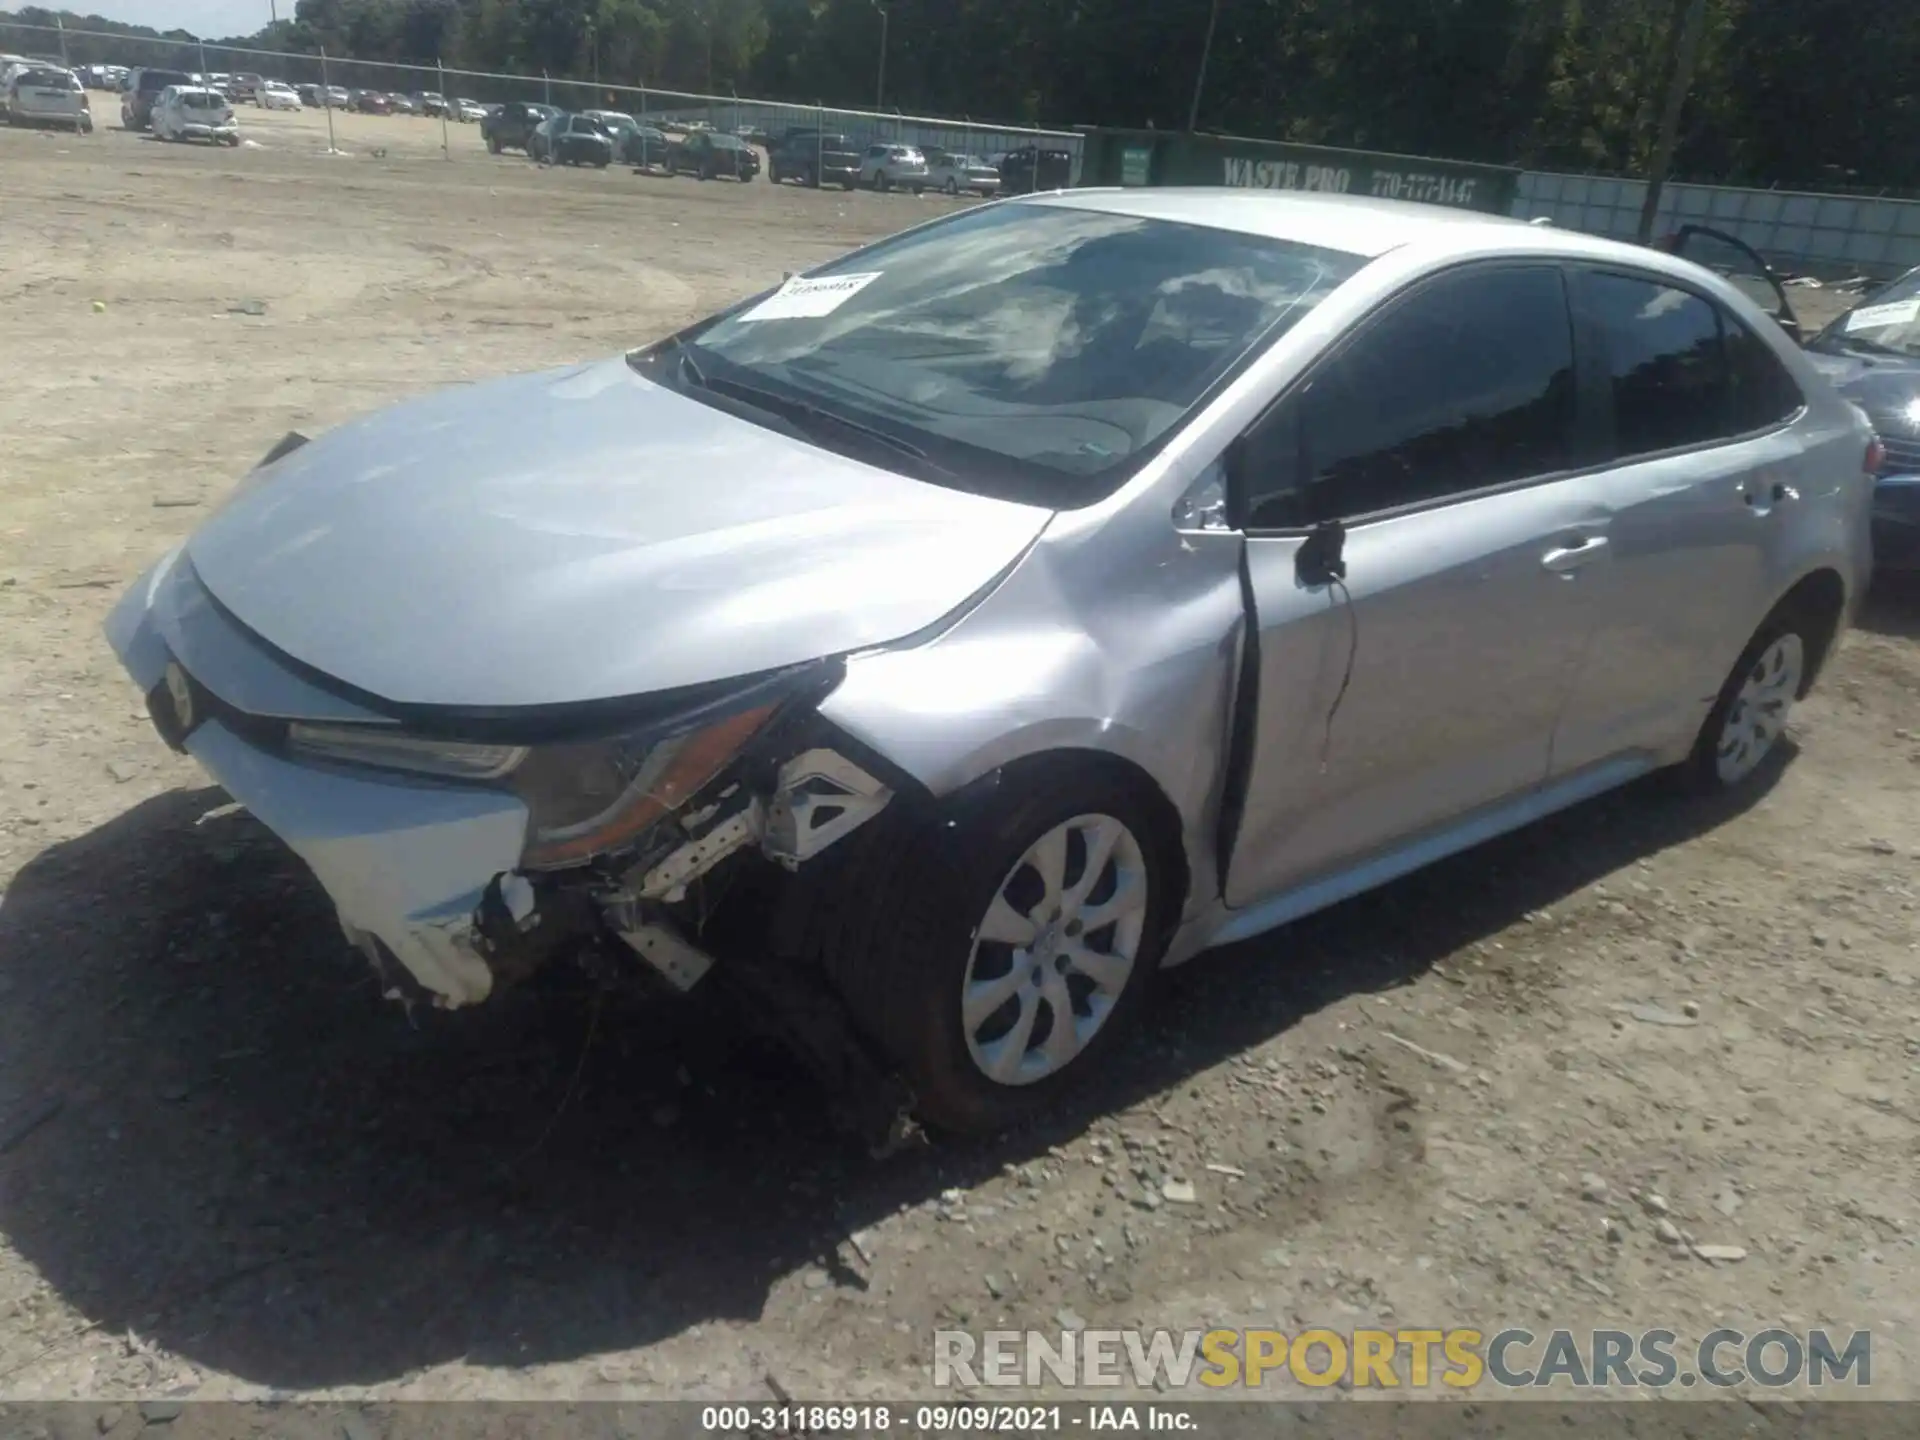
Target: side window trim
(1586, 460)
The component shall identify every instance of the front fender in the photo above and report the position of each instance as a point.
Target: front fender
(1062, 657)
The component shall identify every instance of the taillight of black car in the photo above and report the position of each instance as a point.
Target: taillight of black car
(1876, 457)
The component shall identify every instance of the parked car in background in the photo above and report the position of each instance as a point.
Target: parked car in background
(244, 87)
(1007, 673)
(430, 102)
(510, 126)
(644, 147)
(468, 112)
(618, 125)
(143, 88)
(956, 174)
(195, 112)
(336, 97)
(40, 95)
(710, 154)
(815, 157)
(571, 140)
(886, 166)
(1035, 167)
(309, 94)
(403, 105)
(277, 95)
(371, 102)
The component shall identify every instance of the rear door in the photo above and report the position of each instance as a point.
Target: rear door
(1695, 408)
(1444, 435)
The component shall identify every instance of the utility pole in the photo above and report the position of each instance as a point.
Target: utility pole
(1686, 56)
(1200, 80)
(60, 25)
(880, 86)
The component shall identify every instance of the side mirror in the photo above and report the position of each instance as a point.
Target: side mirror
(1321, 559)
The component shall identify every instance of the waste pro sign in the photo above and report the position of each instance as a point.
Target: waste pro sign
(1146, 157)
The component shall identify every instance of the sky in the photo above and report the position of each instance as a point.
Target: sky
(214, 18)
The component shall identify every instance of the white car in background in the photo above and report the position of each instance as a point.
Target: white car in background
(468, 111)
(959, 174)
(195, 112)
(46, 95)
(277, 95)
(885, 166)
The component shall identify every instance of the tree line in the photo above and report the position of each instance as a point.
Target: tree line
(1807, 93)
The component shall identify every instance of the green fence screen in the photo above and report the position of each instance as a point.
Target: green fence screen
(1154, 157)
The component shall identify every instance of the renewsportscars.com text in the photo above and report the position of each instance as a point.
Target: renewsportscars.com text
(1456, 1359)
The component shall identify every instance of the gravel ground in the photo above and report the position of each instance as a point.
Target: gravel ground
(1438, 1105)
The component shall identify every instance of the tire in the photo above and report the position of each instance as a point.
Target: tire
(600, 164)
(952, 187)
(1749, 716)
(882, 181)
(919, 190)
(493, 145)
(895, 932)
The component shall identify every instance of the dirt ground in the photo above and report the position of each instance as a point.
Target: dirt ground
(227, 1169)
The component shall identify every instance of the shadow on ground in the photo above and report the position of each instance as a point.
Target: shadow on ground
(1893, 606)
(266, 1170)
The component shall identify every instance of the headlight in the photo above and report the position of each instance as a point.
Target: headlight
(583, 797)
(395, 750)
(589, 797)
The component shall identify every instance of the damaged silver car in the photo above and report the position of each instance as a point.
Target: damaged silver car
(950, 637)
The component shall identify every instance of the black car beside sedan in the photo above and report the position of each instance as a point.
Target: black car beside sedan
(709, 154)
(571, 140)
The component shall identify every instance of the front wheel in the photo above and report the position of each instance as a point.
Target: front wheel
(1750, 716)
(952, 187)
(1001, 947)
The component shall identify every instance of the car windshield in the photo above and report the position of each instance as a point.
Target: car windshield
(1886, 322)
(48, 79)
(1036, 351)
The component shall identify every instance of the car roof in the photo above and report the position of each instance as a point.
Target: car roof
(1359, 225)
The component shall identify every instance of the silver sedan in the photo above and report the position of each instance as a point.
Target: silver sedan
(965, 630)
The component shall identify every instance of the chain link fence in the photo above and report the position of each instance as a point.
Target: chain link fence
(761, 120)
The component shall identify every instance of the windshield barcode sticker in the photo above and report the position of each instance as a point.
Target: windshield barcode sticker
(805, 299)
(1872, 317)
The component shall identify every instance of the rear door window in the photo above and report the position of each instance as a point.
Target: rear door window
(1666, 364)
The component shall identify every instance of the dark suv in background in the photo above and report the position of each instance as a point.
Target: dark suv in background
(513, 124)
(142, 89)
(1032, 168)
(814, 158)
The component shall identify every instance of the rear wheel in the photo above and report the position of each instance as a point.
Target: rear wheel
(952, 187)
(1750, 716)
(493, 145)
(994, 954)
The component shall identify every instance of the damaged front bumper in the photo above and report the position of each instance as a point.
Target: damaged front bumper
(428, 874)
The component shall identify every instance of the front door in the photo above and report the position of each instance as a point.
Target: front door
(1425, 684)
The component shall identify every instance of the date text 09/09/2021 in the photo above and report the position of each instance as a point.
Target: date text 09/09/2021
(798, 1419)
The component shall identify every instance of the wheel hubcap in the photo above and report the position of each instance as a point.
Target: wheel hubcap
(1055, 950)
(1758, 715)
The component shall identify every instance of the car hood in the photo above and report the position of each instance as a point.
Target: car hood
(584, 534)
(1885, 386)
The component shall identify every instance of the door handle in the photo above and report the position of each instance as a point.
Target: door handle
(1577, 551)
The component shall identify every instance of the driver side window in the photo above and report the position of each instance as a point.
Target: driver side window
(1466, 383)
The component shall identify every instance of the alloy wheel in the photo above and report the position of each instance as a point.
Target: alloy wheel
(1055, 949)
(1758, 716)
